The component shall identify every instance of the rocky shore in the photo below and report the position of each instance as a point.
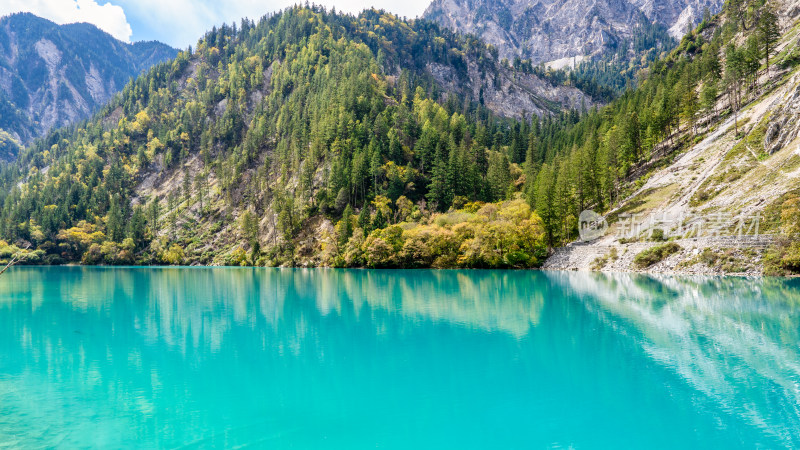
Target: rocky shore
(700, 256)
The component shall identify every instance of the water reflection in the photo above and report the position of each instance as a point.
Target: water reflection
(733, 339)
(131, 336)
(171, 302)
(118, 357)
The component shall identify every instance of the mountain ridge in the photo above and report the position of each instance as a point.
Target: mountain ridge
(549, 30)
(55, 75)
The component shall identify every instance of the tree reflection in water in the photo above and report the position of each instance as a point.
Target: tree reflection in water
(140, 353)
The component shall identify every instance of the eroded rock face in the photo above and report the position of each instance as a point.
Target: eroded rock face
(677, 15)
(548, 30)
(784, 125)
(511, 94)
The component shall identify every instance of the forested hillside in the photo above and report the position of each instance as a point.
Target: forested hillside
(55, 75)
(246, 148)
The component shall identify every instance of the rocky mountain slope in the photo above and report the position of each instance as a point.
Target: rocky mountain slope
(725, 195)
(52, 76)
(507, 92)
(551, 30)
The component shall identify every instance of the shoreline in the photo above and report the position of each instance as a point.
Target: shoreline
(693, 256)
(678, 273)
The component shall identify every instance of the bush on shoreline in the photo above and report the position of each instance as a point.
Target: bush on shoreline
(490, 236)
(655, 255)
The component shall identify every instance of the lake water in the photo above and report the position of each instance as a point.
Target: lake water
(409, 359)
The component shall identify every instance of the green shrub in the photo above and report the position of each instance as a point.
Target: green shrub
(655, 255)
(602, 261)
(783, 259)
(658, 235)
(725, 260)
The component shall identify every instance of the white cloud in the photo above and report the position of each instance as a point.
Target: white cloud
(109, 18)
(183, 22)
(176, 22)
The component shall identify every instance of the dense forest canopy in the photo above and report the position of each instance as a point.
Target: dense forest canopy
(303, 113)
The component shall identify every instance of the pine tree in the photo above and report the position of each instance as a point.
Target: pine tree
(738, 10)
(187, 188)
(172, 213)
(633, 137)
(115, 224)
(376, 167)
(711, 64)
(768, 30)
(709, 97)
(691, 105)
(249, 228)
(137, 227)
(734, 75)
(545, 202)
(154, 213)
(364, 220)
(563, 201)
(438, 191)
(379, 222)
(498, 175)
(200, 182)
(752, 59)
(531, 167)
(345, 226)
(706, 15)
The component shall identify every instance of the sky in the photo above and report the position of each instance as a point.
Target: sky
(180, 23)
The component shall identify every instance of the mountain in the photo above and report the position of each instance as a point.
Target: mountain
(304, 139)
(313, 138)
(54, 75)
(567, 31)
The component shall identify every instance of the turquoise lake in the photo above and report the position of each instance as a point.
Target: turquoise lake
(272, 358)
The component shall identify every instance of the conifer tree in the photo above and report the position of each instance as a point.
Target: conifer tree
(345, 226)
(154, 213)
(498, 175)
(545, 202)
(379, 222)
(364, 219)
(768, 30)
(439, 192)
(709, 97)
(115, 222)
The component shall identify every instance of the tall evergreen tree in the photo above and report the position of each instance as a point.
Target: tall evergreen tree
(768, 30)
(439, 193)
